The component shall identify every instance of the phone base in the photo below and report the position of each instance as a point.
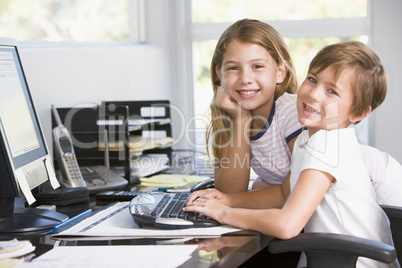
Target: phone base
(63, 196)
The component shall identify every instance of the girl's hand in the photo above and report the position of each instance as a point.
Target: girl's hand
(212, 208)
(228, 104)
(211, 193)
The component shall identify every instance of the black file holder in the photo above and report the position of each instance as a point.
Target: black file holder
(88, 127)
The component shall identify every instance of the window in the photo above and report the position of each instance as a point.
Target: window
(307, 26)
(73, 20)
(228, 10)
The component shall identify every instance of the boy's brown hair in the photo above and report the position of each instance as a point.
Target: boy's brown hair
(370, 79)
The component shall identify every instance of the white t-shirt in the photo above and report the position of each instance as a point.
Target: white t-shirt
(350, 206)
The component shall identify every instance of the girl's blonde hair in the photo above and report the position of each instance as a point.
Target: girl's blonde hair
(370, 79)
(254, 32)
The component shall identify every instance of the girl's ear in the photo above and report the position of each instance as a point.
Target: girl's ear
(366, 113)
(281, 73)
(218, 73)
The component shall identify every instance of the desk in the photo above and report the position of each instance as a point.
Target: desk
(225, 251)
(245, 249)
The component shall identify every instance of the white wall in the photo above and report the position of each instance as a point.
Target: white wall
(68, 77)
(386, 126)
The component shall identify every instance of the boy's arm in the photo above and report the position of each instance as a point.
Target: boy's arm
(271, 197)
(284, 222)
(288, 221)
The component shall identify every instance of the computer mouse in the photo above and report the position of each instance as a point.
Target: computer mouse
(210, 183)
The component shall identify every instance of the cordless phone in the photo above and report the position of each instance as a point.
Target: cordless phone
(63, 147)
(95, 178)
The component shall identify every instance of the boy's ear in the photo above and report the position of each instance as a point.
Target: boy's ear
(359, 118)
(281, 73)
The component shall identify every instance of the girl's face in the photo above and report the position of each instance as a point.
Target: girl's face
(249, 75)
(324, 104)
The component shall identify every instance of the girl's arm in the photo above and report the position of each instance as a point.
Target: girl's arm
(285, 222)
(291, 143)
(232, 173)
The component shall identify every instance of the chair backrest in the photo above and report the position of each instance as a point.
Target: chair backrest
(338, 250)
(395, 217)
(333, 250)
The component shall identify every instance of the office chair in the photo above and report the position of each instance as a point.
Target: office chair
(394, 214)
(338, 250)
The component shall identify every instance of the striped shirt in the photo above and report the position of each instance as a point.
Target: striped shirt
(375, 161)
(270, 153)
(385, 175)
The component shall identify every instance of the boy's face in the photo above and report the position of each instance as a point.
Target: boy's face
(323, 103)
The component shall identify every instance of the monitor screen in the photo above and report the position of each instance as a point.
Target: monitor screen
(19, 124)
(18, 121)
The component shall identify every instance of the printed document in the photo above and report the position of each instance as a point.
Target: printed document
(113, 256)
(116, 221)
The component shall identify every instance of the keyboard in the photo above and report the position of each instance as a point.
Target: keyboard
(164, 211)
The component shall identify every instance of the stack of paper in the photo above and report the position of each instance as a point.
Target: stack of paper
(138, 144)
(204, 166)
(14, 248)
(172, 180)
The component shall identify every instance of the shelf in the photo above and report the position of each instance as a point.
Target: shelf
(144, 122)
(135, 124)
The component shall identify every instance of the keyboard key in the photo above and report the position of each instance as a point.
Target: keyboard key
(161, 205)
(177, 209)
(168, 209)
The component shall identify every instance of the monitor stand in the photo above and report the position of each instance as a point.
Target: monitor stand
(23, 222)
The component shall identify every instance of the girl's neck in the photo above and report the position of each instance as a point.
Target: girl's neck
(260, 117)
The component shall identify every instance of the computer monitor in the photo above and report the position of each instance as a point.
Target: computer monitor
(24, 157)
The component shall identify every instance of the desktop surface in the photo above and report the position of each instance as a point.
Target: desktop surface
(225, 251)
(247, 250)
(244, 249)
(241, 249)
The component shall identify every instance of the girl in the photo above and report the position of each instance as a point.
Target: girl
(254, 123)
(328, 188)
